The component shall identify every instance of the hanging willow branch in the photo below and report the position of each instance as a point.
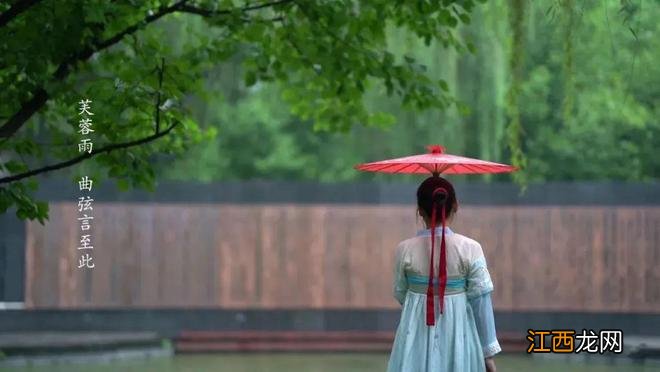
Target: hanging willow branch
(516, 64)
(568, 63)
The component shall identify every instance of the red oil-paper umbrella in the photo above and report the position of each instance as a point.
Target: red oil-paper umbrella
(436, 161)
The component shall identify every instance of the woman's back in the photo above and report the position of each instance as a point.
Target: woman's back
(461, 250)
(447, 322)
(464, 333)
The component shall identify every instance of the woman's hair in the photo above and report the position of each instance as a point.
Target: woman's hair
(430, 194)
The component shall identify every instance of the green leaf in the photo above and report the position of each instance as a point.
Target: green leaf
(443, 85)
(15, 166)
(250, 78)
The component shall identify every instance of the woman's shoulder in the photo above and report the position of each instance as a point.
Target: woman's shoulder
(413, 240)
(467, 244)
(466, 239)
(413, 243)
(403, 250)
(468, 249)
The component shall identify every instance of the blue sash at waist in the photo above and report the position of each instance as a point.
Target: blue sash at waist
(452, 283)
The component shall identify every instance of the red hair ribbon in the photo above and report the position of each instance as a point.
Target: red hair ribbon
(442, 269)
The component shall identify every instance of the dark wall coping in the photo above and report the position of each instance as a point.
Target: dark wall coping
(256, 192)
(169, 322)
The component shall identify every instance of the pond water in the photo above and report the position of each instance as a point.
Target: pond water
(311, 362)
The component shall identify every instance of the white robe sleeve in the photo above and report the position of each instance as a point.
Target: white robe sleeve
(479, 288)
(400, 285)
(482, 307)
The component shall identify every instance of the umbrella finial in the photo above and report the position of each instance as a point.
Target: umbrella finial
(435, 149)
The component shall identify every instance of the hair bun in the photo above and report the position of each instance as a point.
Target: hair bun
(440, 195)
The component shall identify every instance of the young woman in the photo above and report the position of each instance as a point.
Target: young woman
(447, 321)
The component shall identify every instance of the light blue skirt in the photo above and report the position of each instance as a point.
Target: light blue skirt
(451, 345)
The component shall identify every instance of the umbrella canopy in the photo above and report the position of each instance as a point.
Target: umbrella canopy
(436, 161)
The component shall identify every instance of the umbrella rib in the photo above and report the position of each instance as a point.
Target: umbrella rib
(448, 167)
(494, 168)
(475, 168)
(411, 168)
(485, 168)
(377, 167)
(401, 168)
(462, 167)
(472, 168)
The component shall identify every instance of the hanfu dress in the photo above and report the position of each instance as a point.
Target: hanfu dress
(464, 334)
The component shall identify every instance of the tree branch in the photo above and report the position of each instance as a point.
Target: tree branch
(210, 13)
(40, 96)
(80, 158)
(16, 9)
(109, 148)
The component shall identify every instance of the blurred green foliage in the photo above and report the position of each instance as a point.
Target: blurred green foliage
(305, 89)
(591, 115)
(145, 66)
